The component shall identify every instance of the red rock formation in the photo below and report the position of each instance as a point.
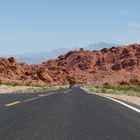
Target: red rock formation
(108, 66)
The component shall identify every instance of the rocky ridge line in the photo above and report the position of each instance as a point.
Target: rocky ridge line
(114, 66)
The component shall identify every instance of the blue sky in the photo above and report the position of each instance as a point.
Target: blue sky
(43, 25)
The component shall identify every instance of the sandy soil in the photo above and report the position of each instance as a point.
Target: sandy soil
(11, 89)
(131, 99)
(25, 89)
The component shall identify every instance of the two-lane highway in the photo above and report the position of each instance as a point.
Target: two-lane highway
(67, 115)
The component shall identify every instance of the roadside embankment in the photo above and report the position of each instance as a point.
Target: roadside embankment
(127, 93)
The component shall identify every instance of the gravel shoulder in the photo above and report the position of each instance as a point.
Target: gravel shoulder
(132, 100)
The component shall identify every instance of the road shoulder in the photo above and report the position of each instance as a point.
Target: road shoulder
(131, 101)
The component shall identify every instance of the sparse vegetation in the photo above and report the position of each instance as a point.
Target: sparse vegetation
(26, 89)
(130, 89)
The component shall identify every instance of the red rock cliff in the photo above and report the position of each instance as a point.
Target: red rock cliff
(114, 66)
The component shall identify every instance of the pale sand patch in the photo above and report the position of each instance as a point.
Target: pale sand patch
(25, 89)
(6, 89)
(131, 99)
(11, 89)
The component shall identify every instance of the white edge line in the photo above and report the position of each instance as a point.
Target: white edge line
(115, 100)
(129, 106)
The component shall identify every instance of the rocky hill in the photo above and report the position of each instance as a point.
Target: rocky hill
(114, 66)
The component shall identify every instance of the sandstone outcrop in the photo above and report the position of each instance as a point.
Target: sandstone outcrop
(113, 66)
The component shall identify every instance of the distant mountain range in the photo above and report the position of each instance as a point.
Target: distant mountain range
(38, 58)
(99, 46)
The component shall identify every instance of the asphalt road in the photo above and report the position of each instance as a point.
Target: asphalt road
(66, 115)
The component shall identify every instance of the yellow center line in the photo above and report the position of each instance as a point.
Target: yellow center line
(13, 103)
(28, 100)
